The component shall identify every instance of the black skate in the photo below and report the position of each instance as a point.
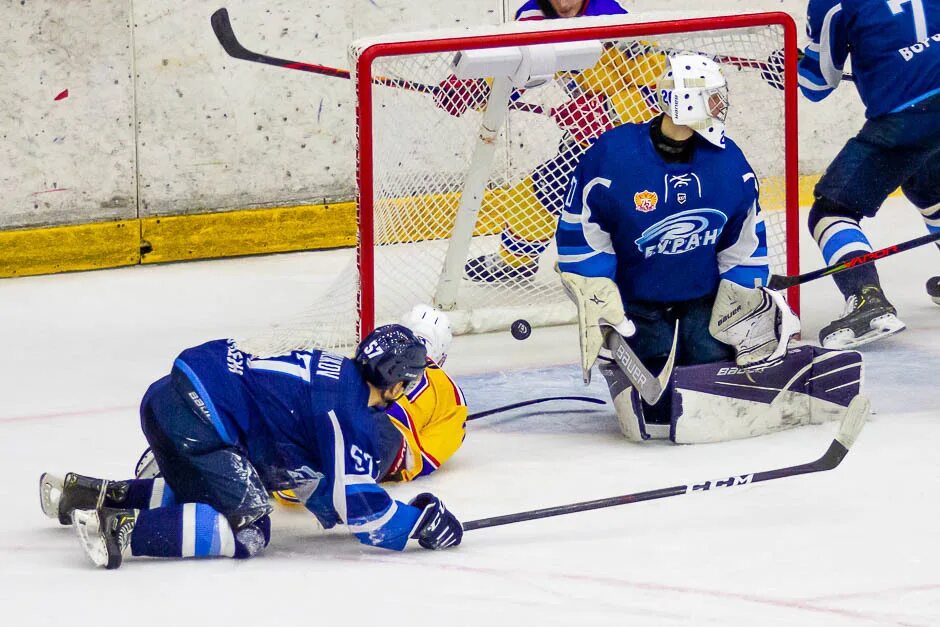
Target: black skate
(492, 269)
(868, 316)
(60, 497)
(105, 534)
(933, 289)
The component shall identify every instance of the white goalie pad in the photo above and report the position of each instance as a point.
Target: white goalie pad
(720, 402)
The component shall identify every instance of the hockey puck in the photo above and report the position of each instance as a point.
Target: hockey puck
(933, 288)
(521, 329)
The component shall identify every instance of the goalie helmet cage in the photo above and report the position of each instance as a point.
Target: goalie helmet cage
(420, 166)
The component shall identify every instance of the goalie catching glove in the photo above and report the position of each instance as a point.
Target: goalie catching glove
(757, 322)
(599, 309)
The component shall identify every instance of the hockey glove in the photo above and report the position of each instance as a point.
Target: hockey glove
(456, 95)
(599, 307)
(757, 322)
(585, 117)
(437, 528)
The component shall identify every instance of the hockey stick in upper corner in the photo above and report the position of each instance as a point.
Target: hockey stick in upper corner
(650, 388)
(533, 401)
(779, 282)
(852, 423)
(222, 27)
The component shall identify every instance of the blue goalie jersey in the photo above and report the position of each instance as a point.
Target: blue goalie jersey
(895, 48)
(664, 232)
(304, 422)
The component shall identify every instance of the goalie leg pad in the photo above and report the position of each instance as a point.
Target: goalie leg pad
(721, 401)
(629, 407)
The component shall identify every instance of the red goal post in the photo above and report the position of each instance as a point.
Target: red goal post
(440, 186)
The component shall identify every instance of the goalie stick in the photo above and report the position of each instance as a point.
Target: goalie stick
(779, 282)
(650, 388)
(851, 425)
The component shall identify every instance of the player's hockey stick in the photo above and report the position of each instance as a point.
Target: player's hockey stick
(533, 401)
(222, 27)
(780, 282)
(650, 387)
(852, 423)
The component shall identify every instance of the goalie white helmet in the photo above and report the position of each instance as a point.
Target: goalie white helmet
(432, 327)
(693, 92)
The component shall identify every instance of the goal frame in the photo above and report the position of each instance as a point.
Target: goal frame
(377, 50)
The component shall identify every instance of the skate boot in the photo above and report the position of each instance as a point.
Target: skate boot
(60, 497)
(105, 534)
(933, 289)
(868, 316)
(492, 269)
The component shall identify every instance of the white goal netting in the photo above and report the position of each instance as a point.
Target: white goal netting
(419, 135)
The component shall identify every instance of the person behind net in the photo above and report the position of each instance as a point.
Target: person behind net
(617, 89)
(661, 225)
(895, 50)
(227, 428)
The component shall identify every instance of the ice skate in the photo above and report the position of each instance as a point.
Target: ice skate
(59, 497)
(868, 316)
(933, 289)
(105, 534)
(493, 269)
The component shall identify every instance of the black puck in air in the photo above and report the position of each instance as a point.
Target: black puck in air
(521, 329)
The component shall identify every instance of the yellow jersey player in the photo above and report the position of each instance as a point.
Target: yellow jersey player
(620, 88)
(431, 417)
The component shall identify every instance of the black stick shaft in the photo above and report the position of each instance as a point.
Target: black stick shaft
(779, 282)
(533, 401)
(832, 457)
(222, 27)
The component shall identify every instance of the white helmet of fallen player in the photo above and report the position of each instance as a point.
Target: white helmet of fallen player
(432, 327)
(693, 92)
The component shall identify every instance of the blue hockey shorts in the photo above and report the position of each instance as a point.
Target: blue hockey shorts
(655, 325)
(195, 462)
(896, 150)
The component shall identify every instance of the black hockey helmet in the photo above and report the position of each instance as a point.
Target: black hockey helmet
(390, 354)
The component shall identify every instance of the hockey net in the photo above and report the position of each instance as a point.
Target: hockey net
(415, 161)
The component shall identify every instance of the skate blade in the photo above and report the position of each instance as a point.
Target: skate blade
(87, 527)
(880, 327)
(50, 491)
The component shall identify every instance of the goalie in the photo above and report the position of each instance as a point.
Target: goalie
(661, 234)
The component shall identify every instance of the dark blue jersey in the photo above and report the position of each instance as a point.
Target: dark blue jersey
(664, 232)
(305, 423)
(895, 48)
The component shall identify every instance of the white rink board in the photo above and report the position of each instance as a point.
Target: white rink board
(855, 546)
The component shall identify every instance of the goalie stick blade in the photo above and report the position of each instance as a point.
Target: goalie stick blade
(651, 388)
(853, 421)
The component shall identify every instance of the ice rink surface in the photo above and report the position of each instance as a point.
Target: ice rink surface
(855, 546)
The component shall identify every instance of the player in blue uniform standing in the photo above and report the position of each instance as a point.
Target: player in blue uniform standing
(662, 224)
(228, 428)
(895, 49)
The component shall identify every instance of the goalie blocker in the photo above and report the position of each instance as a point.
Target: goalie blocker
(721, 401)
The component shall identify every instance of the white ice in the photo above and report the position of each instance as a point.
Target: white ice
(855, 546)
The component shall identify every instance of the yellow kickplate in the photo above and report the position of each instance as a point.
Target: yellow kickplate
(247, 232)
(49, 250)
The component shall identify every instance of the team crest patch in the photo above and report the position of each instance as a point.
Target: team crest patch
(645, 201)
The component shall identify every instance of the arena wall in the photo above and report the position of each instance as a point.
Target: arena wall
(125, 112)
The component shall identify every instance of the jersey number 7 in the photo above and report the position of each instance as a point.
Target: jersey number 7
(920, 17)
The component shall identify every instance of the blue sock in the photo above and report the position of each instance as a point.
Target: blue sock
(187, 530)
(145, 494)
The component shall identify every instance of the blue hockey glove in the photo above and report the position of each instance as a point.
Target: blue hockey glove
(438, 528)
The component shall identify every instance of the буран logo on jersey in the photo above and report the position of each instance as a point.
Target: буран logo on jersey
(645, 201)
(682, 232)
